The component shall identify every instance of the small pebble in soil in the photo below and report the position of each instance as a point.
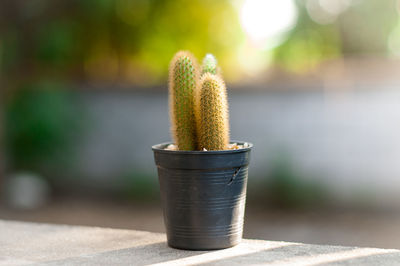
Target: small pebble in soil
(171, 147)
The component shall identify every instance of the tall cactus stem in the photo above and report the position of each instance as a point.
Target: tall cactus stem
(183, 75)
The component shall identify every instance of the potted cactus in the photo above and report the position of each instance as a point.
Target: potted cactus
(202, 175)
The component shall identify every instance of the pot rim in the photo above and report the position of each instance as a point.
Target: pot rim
(160, 148)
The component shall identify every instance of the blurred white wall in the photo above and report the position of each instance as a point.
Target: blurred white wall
(349, 140)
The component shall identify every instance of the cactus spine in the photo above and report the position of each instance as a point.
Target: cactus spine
(212, 116)
(209, 65)
(183, 75)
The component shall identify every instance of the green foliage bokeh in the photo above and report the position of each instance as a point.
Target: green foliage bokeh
(132, 41)
(41, 122)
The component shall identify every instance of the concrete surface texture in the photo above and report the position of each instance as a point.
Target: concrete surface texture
(45, 244)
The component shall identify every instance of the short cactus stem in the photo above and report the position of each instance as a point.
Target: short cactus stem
(182, 86)
(212, 113)
(210, 65)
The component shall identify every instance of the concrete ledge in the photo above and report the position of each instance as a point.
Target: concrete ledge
(27, 243)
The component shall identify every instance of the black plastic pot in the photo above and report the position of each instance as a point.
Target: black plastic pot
(203, 195)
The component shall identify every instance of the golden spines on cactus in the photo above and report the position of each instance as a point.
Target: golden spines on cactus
(212, 115)
(183, 75)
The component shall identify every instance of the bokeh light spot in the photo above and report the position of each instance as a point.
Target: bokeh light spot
(266, 20)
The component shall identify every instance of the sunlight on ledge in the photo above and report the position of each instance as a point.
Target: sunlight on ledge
(239, 250)
(332, 257)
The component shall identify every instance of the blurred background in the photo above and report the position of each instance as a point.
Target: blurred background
(314, 84)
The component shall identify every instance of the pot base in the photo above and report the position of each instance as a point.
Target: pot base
(203, 244)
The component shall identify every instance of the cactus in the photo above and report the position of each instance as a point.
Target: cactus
(209, 65)
(183, 75)
(212, 116)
